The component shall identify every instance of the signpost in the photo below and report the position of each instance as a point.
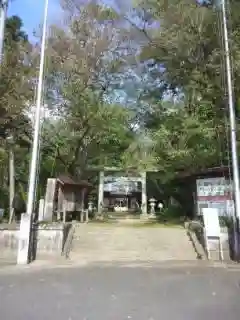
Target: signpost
(212, 229)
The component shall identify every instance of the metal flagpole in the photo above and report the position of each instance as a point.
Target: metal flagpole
(25, 226)
(3, 14)
(232, 116)
(33, 167)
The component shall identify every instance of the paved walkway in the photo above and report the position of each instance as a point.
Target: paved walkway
(183, 292)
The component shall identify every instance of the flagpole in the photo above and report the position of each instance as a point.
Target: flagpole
(232, 118)
(26, 220)
(3, 14)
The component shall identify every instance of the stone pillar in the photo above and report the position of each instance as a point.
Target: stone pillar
(49, 199)
(41, 210)
(100, 191)
(83, 191)
(65, 204)
(60, 200)
(83, 194)
(144, 193)
(24, 245)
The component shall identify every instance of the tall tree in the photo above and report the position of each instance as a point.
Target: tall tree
(16, 95)
(85, 53)
(16, 88)
(185, 57)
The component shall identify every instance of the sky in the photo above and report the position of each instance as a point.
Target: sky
(31, 12)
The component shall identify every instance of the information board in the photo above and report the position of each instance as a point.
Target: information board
(122, 185)
(211, 222)
(213, 189)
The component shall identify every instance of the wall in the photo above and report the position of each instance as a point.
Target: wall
(50, 239)
(48, 242)
(8, 242)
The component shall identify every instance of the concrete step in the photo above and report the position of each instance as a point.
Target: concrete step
(119, 242)
(122, 215)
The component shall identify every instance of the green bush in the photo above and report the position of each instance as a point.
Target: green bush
(170, 213)
(226, 221)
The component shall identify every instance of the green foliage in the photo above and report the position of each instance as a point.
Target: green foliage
(16, 93)
(164, 57)
(181, 115)
(171, 214)
(90, 129)
(92, 136)
(183, 45)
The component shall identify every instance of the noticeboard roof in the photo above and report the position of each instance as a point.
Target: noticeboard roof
(67, 180)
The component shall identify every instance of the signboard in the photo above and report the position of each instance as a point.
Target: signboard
(217, 189)
(122, 185)
(215, 193)
(211, 222)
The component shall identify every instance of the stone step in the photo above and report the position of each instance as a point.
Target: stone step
(122, 216)
(118, 242)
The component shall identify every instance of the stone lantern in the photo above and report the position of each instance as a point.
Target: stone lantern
(152, 203)
(90, 206)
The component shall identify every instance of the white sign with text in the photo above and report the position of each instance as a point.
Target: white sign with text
(212, 229)
(211, 222)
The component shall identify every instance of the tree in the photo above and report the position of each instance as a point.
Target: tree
(16, 94)
(68, 147)
(185, 64)
(91, 129)
(16, 88)
(184, 55)
(173, 81)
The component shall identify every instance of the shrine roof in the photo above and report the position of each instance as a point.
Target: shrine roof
(67, 180)
(206, 171)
